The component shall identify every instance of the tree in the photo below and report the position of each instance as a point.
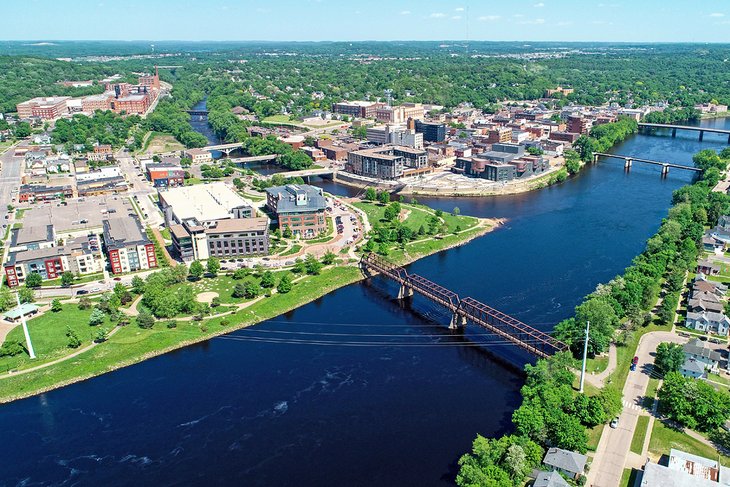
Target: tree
(299, 267)
(456, 211)
(239, 290)
(370, 194)
(215, 302)
(26, 295)
(196, 270)
(251, 289)
(390, 213)
(383, 197)
(97, 317)
(56, 305)
(84, 303)
(268, 280)
(370, 245)
(101, 335)
(138, 285)
(669, 357)
(239, 274)
(145, 319)
(213, 266)
(313, 266)
(73, 338)
(33, 280)
(285, 284)
(328, 258)
(287, 233)
(7, 300)
(67, 278)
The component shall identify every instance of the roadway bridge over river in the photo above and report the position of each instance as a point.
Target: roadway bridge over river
(629, 160)
(465, 310)
(674, 128)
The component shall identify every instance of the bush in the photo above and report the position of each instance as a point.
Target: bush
(145, 320)
(56, 305)
(84, 303)
(11, 348)
(171, 324)
(73, 338)
(215, 302)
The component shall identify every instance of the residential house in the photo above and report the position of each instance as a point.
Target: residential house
(549, 479)
(683, 469)
(709, 322)
(699, 358)
(569, 463)
(708, 268)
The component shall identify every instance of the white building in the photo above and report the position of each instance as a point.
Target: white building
(203, 204)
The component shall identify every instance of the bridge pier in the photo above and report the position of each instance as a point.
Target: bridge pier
(595, 158)
(665, 170)
(405, 291)
(457, 322)
(627, 163)
(674, 132)
(702, 135)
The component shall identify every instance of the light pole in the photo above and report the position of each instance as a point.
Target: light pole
(585, 357)
(25, 329)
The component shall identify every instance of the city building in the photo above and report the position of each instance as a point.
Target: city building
(131, 104)
(29, 193)
(92, 103)
(683, 469)
(199, 156)
(357, 109)
(500, 134)
(579, 125)
(300, 208)
(432, 131)
(203, 204)
(45, 108)
(127, 246)
(78, 256)
(559, 91)
(165, 175)
(224, 238)
(399, 114)
(150, 80)
(387, 162)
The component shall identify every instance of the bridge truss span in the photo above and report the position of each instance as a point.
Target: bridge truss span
(465, 310)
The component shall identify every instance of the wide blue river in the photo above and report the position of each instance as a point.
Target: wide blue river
(353, 389)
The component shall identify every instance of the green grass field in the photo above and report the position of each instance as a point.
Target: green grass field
(637, 442)
(664, 438)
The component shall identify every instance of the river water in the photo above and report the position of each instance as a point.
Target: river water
(353, 389)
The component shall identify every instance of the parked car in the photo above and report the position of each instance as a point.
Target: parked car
(117, 278)
(636, 360)
(633, 367)
(81, 291)
(614, 423)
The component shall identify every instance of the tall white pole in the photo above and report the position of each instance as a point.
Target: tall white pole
(585, 357)
(25, 330)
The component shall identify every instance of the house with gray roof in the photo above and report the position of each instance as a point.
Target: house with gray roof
(711, 322)
(699, 358)
(550, 479)
(298, 207)
(569, 463)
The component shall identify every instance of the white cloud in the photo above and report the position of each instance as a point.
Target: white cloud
(456, 17)
(717, 14)
(406, 12)
(539, 5)
(489, 18)
(437, 15)
(533, 22)
(459, 9)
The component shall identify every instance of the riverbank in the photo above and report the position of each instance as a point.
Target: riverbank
(130, 344)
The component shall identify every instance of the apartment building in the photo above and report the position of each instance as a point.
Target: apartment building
(298, 207)
(127, 246)
(92, 103)
(400, 114)
(357, 109)
(199, 156)
(45, 108)
(387, 162)
(432, 131)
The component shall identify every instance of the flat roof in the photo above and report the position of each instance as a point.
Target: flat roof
(203, 202)
(124, 231)
(32, 233)
(67, 217)
(22, 310)
(239, 225)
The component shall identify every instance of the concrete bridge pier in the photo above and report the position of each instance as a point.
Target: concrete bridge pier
(595, 158)
(702, 135)
(674, 132)
(627, 163)
(405, 291)
(457, 322)
(665, 170)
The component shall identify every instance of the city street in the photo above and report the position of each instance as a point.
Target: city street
(613, 449)
(9, 175)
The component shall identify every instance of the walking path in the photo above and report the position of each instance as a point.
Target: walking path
(599, 379)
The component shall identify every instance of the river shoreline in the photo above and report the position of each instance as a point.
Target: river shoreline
(482, 227)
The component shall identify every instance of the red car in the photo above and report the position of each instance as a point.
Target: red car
(636, 360)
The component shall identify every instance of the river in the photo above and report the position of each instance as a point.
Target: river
(352, 389)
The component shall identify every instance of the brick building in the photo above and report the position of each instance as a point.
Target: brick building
(298, 207)
(45, 108)
(127, 246)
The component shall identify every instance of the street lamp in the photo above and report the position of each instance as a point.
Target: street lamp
(25, 329)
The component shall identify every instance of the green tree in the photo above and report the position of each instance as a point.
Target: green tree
(312, 265)
(287, 233)
(669, 357)
(33, 280)
(67, 278)
(84, 303)
(213, 266)
(196, 270)
(251, 289)
(145, 319)
(97, 317)
(73, 338)
(371, 194)
(383, 197)
(102, 334)
(138, 285)
(268, 280)
(456, 211)
(26, 295)
(56, 305)
(285, 284)
(7, 300)
(328, 258)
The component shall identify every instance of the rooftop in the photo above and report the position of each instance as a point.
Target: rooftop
(22, 310)
(203, 202)
(697, 347)
(297, 198)
(32, 233)
(124, 231)
(258, 224)
(566, 460)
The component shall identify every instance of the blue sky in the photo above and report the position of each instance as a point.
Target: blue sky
(561, 20)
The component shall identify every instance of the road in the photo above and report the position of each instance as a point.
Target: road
(613, 449)
(9, 175)
(139, 188)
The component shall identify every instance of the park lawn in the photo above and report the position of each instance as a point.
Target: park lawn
(80, 280)
(664, 438)
(192, 181)
(19, 213)
(132, 344)
(637, 442)
(292, 250)
(48, 335)
(651, 390)
(223, 285)
(161, 142)
(596, 365)
(429, 245)
(625, 353)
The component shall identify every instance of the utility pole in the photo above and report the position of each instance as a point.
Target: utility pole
(25, 329)
(585, 357)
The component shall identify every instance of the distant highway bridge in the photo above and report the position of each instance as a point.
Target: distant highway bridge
(629, 160)
(465, 310)
(674, 128)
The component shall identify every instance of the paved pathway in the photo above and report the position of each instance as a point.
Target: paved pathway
(599, 379)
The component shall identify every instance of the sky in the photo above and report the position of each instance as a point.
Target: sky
(316, 20)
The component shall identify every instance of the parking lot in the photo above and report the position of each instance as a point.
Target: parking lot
(79, 215)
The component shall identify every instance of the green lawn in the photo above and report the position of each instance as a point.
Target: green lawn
(664, 438)
(48, 335)
(132, 344)
(165, 232)
(192, 181)
(625, 353)
(80, 280)
(637, 442)
(292, 250)
(19, 213)
(651, 391)
(597, 364)
(628, 477)
(594, 436)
